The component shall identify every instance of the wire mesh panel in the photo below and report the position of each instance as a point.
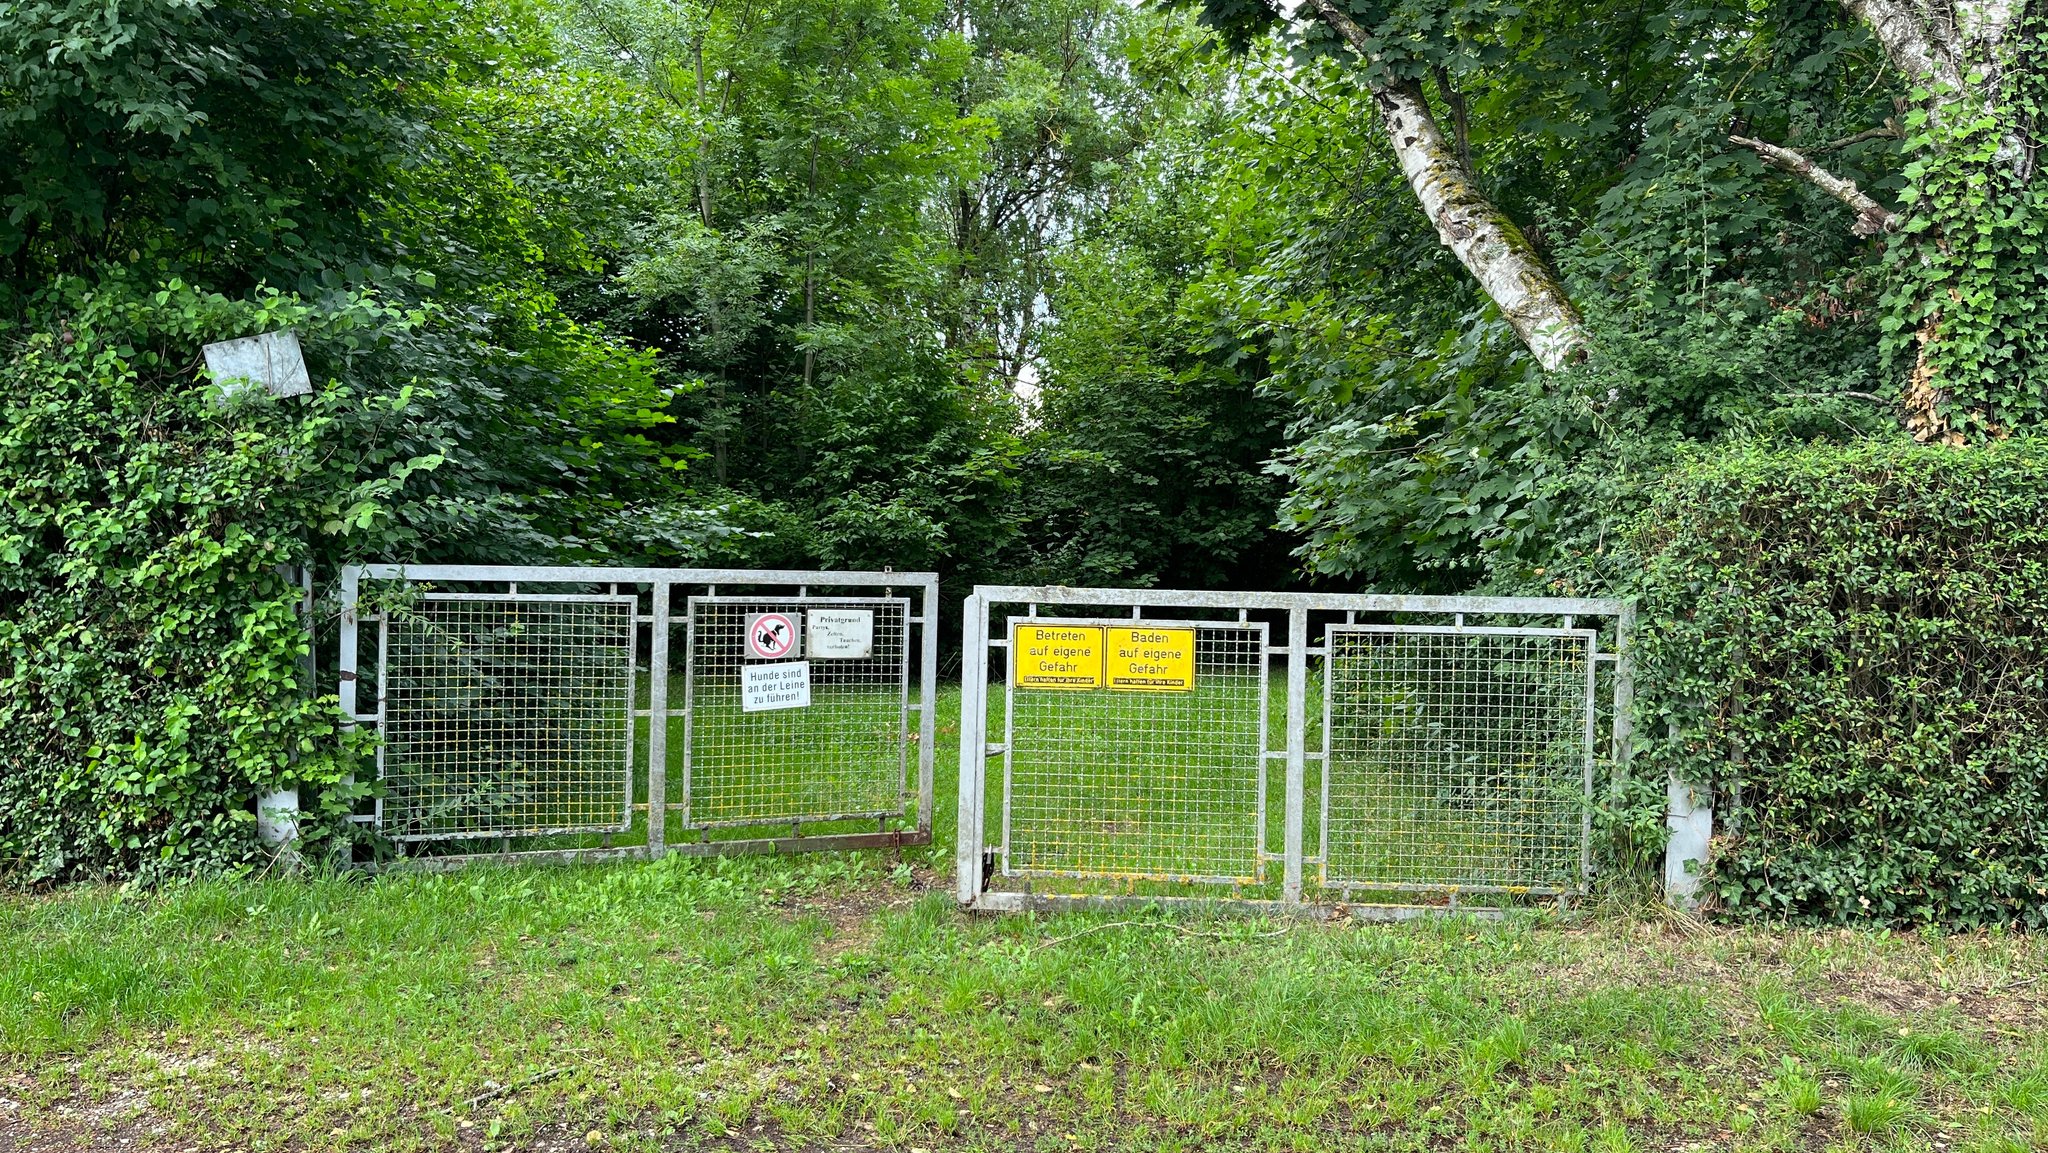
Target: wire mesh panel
(844, 752)
(1136, 763)
(507, 715)
(1457, 757)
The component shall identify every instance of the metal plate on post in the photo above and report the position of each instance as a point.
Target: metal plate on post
(272, 360)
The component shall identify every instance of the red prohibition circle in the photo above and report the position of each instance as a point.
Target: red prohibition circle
(772, 635)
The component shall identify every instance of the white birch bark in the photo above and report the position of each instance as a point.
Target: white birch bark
(1527, 292)
(1958, 49)
(1871, 217)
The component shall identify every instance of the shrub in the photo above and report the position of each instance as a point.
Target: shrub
(1849, 646)
(150, 649)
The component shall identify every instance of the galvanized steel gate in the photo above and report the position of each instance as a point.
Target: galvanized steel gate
(522, 706)
(1431, 748)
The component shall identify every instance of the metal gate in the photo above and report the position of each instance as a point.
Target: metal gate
(1279, 749)
(538, 710)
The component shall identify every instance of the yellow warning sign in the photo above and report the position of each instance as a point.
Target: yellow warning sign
(1151, 660)
(1058, 656)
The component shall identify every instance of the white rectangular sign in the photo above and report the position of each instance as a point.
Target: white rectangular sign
(783, 686)
(843, 634)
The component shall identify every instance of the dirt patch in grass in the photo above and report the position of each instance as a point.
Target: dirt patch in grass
(2015, 1010)
(1905, 978)
(853, 912)
(123, 1120)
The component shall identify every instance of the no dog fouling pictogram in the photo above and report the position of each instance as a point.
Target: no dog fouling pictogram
(773, 636)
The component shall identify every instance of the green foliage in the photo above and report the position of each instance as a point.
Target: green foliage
(152, 682)
(773, 239)
(1429, 452)
(1146, 453)
(228, 142)
(843, 226)
(1849, 645)
(1968, 273)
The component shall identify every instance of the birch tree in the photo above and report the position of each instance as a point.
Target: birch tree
(1438, 167)
(1528, 293)
(1951, 202)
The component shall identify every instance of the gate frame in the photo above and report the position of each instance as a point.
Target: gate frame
(971, 865)
(662, 587)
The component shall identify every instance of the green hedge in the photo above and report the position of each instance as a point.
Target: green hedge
(1852, 645)
(150, 650)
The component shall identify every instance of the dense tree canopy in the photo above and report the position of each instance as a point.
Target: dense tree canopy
(1424, 292)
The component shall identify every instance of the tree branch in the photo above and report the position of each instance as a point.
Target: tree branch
(1889, 130)
(1871, 217)
(1461, 119)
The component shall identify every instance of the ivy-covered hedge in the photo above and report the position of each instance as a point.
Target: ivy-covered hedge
(150, 650)
(1852, 645)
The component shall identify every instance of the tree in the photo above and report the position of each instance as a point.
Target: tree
(1146, 456)
(1969, 264)
(850, 239)
(1525, 290)
(1056, 87)
(226, 142)
(1429, 450)
(1954, 141)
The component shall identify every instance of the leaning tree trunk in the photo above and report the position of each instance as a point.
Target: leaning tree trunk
(1965, 264)
(1524, 288)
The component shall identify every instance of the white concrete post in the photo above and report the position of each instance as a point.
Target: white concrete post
(973, 745)
(273, 361)
(1297, 753)
(277, 812)
(1691, 820)
(277, 818)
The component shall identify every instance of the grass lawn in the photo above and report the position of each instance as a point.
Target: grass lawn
(843, 1003)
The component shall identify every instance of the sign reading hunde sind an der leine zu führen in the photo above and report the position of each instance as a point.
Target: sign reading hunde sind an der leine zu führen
(764, 688)
(1130, 658)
